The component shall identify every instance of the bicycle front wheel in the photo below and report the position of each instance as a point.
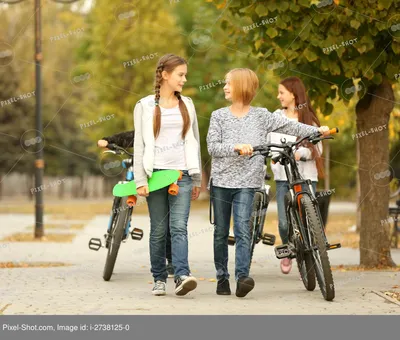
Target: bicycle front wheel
(319, 250)
(117, 233)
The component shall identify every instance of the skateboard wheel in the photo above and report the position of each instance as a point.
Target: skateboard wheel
(173, 189)
(131, 201)
(180, 175)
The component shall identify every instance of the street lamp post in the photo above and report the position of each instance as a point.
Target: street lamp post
(39, 162)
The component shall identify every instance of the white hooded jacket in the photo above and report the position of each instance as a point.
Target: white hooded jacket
(308, 169)
(144, 144)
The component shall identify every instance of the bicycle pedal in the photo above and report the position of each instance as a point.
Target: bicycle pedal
(231, 240)
(95, 244)
(268, 239)
(137, 234)
(282, 251)
(333, 246)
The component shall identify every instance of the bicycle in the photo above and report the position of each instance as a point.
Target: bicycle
(120, 218)
(307, 239)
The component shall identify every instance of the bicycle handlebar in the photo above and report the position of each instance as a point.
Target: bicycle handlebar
(118, 149)
(313, 138)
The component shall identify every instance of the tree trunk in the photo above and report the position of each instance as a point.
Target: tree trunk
(373, 113)
(358, 219)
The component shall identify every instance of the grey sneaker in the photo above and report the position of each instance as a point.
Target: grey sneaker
(160, 288)
(170, 270)
(185, 284)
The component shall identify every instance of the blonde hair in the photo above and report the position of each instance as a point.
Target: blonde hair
(168, 63)
(244, 84)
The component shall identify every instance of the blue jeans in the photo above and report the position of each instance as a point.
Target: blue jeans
(170, 211)
(241, 202)
(282, 187)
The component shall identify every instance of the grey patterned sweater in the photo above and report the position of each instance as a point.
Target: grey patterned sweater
(228, 169)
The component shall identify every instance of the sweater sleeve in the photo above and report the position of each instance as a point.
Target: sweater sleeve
(277, 123)
(139, 172)
(123, 139)
(215, 145)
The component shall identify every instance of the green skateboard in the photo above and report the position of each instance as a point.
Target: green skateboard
(159, 179)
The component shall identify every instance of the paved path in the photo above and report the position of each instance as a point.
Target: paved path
(80, 289)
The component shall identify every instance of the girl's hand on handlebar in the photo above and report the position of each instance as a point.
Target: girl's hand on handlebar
(324, 130)
(102, 143)
(244, 149)
(297, 156)
(143, 191)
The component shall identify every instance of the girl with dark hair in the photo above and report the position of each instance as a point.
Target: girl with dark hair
(167, 137)
(296, 106)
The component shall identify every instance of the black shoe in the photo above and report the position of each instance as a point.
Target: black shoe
(244, 286)
(223, 287)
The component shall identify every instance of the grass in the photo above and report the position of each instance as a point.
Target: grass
(29, 237)
(336, 229)
(4, 265)
(345, 268)
(63, 226)
(79, 209)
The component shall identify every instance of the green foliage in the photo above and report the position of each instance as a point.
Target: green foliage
(330, 49)
(109, 51)
(208, 66)
(304, 36)
(15, 119)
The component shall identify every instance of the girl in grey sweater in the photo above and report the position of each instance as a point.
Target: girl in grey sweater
(235, 178)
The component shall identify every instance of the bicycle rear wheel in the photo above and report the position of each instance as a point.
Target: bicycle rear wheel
(256, 217)
(319, 250)
(117, 234)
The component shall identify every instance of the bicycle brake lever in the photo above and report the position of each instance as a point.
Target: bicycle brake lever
(317, 140)
(255, 154)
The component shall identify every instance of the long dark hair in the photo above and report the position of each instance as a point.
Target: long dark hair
(168, 63)
(306, 114)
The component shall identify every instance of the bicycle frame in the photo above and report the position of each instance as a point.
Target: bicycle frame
(127, 163)
(260, 223)
(296, 193)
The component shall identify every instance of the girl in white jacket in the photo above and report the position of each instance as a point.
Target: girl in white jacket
(167, 137)
(296, 106)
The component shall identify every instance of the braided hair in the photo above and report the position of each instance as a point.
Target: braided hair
(168, 63)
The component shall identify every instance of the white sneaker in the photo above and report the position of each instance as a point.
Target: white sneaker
(185, 284)
(160, 288)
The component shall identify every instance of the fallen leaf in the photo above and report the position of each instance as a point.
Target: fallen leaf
(212, 280)
(201, 278)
